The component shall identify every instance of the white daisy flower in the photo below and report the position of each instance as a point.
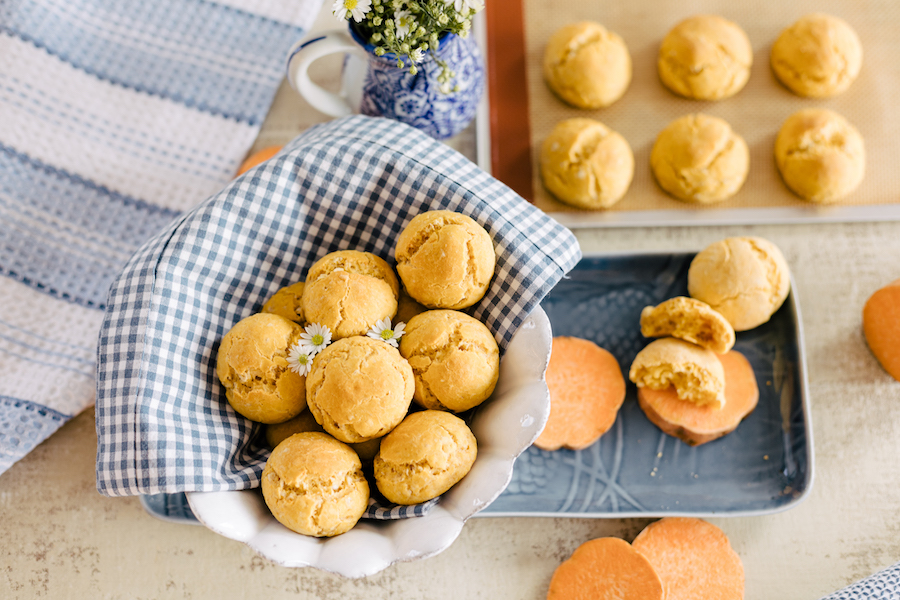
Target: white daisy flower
(338, 10)
(404, 22)
(416, 55)
(461, 5)
(314, 338)
(383, 331)
(299, 361)
(344, 9)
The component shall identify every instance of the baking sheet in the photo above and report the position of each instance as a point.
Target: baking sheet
(756, 112)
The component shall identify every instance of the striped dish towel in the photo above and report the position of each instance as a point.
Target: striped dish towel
(115, 116)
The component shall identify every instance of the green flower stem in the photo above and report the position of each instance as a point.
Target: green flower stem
(429, 19)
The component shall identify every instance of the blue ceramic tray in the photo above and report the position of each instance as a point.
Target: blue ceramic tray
(635, 470)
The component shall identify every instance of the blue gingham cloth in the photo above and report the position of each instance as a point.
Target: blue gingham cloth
(115, 116)
(393, 512)
(883, 585)
(163, 423)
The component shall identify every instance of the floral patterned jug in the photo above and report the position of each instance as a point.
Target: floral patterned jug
(392, 92)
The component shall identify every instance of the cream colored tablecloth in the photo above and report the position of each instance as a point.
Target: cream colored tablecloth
(61, 539)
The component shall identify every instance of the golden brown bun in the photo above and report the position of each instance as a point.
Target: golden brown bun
(695, 372)
(818, 56)
(445, 259)
(314, 485)
(586, 65)
(705, 57)
(690, 320)
(424, 456)
(305, 421)
(698, 158)
(745, 279)
(359, 388)
(585, 164)
(252, 366)
(407, 307)
(349, 291)
(820, 155)
(278, 432)
(455, 359)
(287, 302)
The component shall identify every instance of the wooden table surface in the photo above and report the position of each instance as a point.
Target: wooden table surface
(62, 539)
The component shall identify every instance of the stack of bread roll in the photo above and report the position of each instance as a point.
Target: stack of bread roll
(691, 384)
(345, 404)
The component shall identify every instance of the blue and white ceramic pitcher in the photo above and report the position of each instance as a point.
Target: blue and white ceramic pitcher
(389, 91)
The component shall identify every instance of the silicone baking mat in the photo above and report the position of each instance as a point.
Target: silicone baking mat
(756, 112)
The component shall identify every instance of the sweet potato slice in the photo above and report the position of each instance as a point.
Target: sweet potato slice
(881, 326)
(693, 558)
(695, 424)
(257, 158)
(586, 391)
(605, 569)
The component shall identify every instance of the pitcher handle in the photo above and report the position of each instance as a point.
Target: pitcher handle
(304, 53)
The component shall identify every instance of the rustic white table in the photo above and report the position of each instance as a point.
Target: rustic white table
(61, 539)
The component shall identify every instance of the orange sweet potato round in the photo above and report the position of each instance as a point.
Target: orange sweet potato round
(881, 326)
(605, 569)
(695, 424)
(586, 391)
(693, 558)
(258, 157)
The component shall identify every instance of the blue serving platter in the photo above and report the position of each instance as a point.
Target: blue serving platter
(635, 470)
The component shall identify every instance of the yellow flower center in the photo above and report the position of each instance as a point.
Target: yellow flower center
(350, 4)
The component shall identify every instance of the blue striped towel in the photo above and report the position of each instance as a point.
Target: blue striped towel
(115, 116)
(163, 423)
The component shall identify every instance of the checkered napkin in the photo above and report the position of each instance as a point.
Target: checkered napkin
(884, 585)
(393, 512)
(115, 116)
(162, 420)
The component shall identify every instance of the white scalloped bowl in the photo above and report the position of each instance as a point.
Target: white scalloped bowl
(504, 426)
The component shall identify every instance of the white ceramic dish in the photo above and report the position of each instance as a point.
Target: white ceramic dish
(504, 426)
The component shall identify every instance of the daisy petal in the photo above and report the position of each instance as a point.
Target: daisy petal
(338, 10)
(299, 360)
